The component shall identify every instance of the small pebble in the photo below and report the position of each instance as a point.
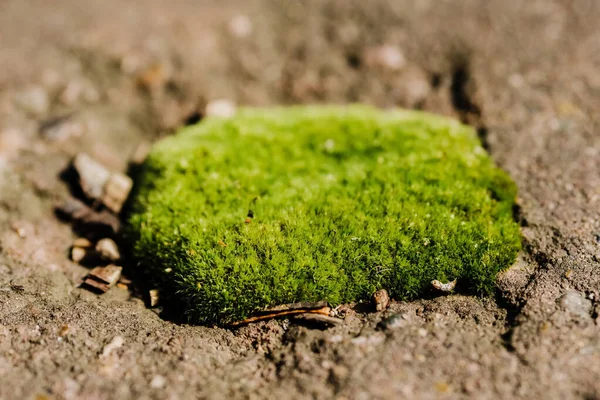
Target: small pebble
(381, 300)
(240, 26)
(116, 190)
(386, 56)
(107, 248)
(11, 142)
(158, 382)
(392, 322)
(220, 108)
(34, 100)
(575, 303)
(92, 175)
(82, 242)
(114, 344)
(78, 254)
(60, 128)
(19, 228)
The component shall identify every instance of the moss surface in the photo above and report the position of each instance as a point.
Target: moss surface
(318, 203)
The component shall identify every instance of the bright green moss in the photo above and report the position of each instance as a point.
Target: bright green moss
(346, 200)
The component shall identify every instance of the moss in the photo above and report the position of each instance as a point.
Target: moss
(343, 200)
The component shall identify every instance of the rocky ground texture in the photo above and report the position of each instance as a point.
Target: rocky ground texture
(102, 77)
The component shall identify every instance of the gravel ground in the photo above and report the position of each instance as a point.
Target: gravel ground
(102, 77)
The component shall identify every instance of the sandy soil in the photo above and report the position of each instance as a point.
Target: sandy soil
(526, 74)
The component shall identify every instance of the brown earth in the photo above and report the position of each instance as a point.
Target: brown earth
(526, 74)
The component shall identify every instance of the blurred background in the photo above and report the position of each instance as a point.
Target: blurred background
(104, 76)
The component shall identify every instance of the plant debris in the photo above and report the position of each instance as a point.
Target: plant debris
(317, 320)
(443, 287)
(283, 310)
(103, 278)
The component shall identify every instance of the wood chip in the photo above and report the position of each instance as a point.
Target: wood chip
(108, 249)
(94, 284)
(19, 228)
(293, 306)
(108, 275)
(154, 297)
(317, 320)
(381, 300)
(115, 192)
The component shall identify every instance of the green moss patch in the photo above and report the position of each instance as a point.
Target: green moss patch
(315, 203)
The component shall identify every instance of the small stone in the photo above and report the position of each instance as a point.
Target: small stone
(82, 242)
(568, 273)
(154, 298)
(240, 26)
(77, 90)
(114, 344)
(116, 190)
(158, 382)
(19, 228)
(11, 142)
(220, 108)
(78, 254)
(386, 57)
(392, 322)
(34, 100)
(93, 176)
(414, 87)
(381, 300)
(64, 330)
(60, 128)
(575, 303)
(107, 248)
